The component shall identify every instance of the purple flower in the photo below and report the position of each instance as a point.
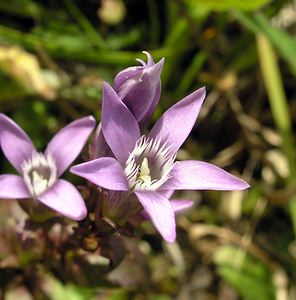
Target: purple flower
(139, 88)
(40, 172)
(145, 165)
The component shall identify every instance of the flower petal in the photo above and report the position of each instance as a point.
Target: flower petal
(161, 213)
(66, 145)
(105, 172)
(199, 175)
(181, 205)
(120, 128)
(127, 79)
(64, 198)
(176, 123)
(13, 187)
(152, 107)
(15, 144)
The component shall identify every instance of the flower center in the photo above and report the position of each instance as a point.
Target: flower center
(149, 164)
(39, 173)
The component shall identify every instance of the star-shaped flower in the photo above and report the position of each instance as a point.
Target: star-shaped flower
(145, 165)
(39, 172)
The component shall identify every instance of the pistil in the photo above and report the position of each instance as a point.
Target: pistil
(145, 172)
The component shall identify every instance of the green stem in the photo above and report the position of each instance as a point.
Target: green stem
(154, 21)
(279, 108)
(277, 98)
(89, 30)
(191, 73)
(114, 57)
(292, 210)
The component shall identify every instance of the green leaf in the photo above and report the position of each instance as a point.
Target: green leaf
(23, 8)
(284, 43)
(57, 291)
(218, 5)
(245, 273)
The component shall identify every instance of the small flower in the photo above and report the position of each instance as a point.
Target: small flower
(40, 172)
(145, 165)
(139, 89)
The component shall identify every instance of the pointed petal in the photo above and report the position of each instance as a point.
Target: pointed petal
(164, 193)
(176, 123)
(181, 205)
(127, 79)
(16, 145)
(64, 198)
(66, 145)
(199, 175)
(161, 213)
(120, 128)
(13, 187)
(105, 172)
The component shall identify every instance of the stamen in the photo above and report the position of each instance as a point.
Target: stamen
(39, 173)
(149, 164)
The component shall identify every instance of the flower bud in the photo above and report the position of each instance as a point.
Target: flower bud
(139, 88)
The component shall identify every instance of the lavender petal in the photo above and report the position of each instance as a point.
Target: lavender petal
(15, 144)
(161, 213)
(198, 175)
(179, 206)
(176, 123)
(105, 172)
(66, 145)
(13, 187)
(152, 107)
(119, 126)
(64, 198)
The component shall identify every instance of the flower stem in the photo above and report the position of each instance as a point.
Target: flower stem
(277, 98)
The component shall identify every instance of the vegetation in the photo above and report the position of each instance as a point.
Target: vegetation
(54, 56)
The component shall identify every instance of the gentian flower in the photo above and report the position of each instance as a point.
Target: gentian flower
(39, 172)
(145, 165)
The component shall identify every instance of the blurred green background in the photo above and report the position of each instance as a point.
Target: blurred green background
(54, 56)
